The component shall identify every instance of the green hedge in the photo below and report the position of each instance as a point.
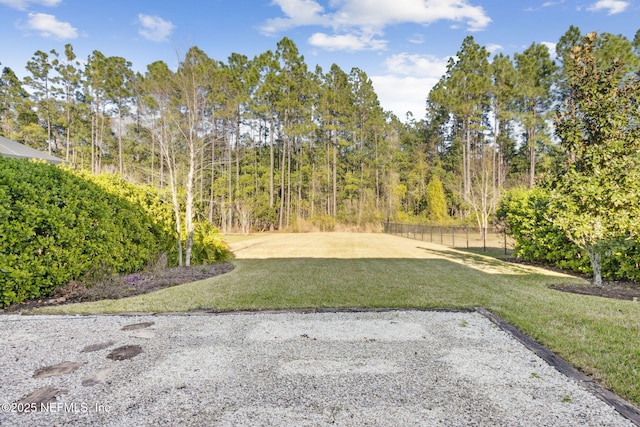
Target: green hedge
(527, 213)
(144, 197)
(56, 226)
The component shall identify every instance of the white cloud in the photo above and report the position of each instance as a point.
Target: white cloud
(417, 65)
(154, 28)
(552, 3)
(493, 48)
(347, 42)
(613, 6)
(381, 13)
(372, 17)
(552, 49)
(406, 88)
(24, 4)
(416, 39)
(48, 26)
(402, 94)
(298, 13)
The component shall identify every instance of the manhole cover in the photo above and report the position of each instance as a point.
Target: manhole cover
(125, 352)
(137, 326)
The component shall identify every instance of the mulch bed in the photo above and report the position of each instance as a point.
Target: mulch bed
(124, 286)
(617, 290)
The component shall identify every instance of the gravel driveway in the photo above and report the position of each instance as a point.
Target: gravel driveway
(383, 368)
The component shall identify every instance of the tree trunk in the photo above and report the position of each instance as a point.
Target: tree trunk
(120, 149)
(532, 159)
(466, 158)
(174, 198)
(212, 179)
(288, 207)
(271, 162)
(68, 142)
(93, 145)
(189, 211)
(282, 182)
(230, 197)
(153, 155)
(334, 198)
(237, 149)
(595, 256)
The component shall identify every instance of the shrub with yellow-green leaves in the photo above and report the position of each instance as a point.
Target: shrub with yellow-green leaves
(56, 226)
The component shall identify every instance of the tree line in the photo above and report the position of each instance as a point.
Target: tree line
(271, 143)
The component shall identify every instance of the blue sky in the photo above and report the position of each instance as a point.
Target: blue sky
(402, 45)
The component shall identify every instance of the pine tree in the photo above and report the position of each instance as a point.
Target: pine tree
(69, 79)
(536, 73)
(40, 68)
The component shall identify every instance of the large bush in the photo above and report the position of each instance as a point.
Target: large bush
(527, 214)
(56, 226)
(208, 243)
(146, 197)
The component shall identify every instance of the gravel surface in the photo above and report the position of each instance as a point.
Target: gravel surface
(386, 368)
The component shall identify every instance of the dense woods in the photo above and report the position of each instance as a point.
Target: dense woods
(269, 142)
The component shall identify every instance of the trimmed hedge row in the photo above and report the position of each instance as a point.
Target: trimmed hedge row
(526, 214)
(56, 226)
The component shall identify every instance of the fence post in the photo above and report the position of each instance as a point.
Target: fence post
(466, 229)
(453, 237)
(441, 236)
(505, 242)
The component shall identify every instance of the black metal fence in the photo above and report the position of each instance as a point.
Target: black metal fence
(456, 237)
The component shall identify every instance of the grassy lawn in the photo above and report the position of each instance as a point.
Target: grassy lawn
(341, 270)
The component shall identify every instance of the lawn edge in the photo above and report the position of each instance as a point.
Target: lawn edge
(625, 408)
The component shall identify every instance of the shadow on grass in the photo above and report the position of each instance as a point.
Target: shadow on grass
(482, 262)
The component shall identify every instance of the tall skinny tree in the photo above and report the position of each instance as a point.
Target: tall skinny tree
(40, 81)
(119, 92)
(535, 76)
(69, 76)
(192, 81)
(464, 92)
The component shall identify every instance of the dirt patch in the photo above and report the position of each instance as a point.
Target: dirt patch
(63, 368)
(125, 286)
(39, 398)
(125, 352)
